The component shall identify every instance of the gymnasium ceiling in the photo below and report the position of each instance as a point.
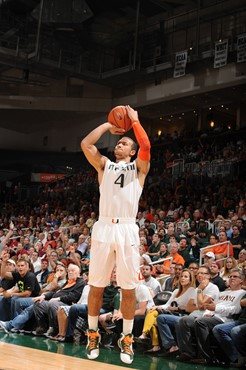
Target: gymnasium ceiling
(86, 28)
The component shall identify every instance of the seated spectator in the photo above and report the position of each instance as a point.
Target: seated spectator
(194, 267)
(209, 258)
(163, 252)
(231, 337)
(195, 246)
(6, 284)
(176, 258)
(43, 274)
(144, 302)
(56, 279)
(155, 315)
(154, 248)
(228, 304)
(50, 241)
(241, 258)
(192, 231)
(140, 219)
(82, 245)
(236, 240)
(229, 263)
(172, 283)
(215, 277)
(172, 240)
(150, 281)
(47, 304)
(203, 233)
(185, 251)
(143, 255)
(17, 299)
(20, 251)
(228, 229)
(221, 251)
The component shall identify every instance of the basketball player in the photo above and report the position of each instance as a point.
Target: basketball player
(115, 237)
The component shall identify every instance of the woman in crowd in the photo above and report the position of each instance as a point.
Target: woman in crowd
(177, 301)
(229, 263)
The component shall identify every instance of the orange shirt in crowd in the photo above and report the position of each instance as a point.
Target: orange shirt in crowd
(178, 259)
(219, 249)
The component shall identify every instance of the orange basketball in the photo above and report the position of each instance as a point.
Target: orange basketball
(119, 117)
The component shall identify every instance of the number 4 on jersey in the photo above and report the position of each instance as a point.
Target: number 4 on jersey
(120, 180)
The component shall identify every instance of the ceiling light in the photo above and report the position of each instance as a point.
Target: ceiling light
(209, 108)
(211, 123)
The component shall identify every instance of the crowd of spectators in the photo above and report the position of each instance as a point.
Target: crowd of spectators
(190, 300)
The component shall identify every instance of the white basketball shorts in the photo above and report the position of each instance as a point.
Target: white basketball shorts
(114, 242)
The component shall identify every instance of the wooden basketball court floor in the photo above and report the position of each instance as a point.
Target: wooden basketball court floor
(26, 352)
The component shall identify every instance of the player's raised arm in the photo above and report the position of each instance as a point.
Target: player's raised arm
(143, 158)
(91, 152)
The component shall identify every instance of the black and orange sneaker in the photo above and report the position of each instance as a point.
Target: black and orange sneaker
(125, 345)
(92, 347)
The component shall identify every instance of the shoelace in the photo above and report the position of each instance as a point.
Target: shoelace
(93, 340)
(127, 341)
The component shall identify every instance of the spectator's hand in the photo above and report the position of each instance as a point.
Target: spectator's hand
(153, 308)
(4, 256)
(58, 274)
(7, 294)
(11, 226)
(203, 284)
(40, 299)
(55, 299)
(172, 308)
(117, 316)
(209, 306)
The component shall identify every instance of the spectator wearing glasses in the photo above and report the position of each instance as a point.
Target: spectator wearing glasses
(219, 312)
(205, 292)
(231, 337)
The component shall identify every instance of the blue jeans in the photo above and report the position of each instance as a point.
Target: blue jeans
(18, 304)
(21, 319)
(238, 335)
(166, 324)
(222, 333)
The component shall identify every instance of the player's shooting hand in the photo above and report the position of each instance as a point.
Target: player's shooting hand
(115, 130)
(132, 114)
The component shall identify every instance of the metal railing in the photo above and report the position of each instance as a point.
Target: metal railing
(212, 246)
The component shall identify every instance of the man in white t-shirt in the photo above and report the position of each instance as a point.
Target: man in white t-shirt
(144, 302)
(205, 292)
(149, 281)
(216, 312)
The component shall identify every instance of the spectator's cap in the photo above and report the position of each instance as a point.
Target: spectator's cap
(11, 261)
(71, 241)
(70, 218)
(210, 255)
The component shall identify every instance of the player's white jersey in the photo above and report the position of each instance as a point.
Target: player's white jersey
(120, 190)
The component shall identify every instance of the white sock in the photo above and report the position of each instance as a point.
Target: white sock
(93, 322)
(127, 326)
